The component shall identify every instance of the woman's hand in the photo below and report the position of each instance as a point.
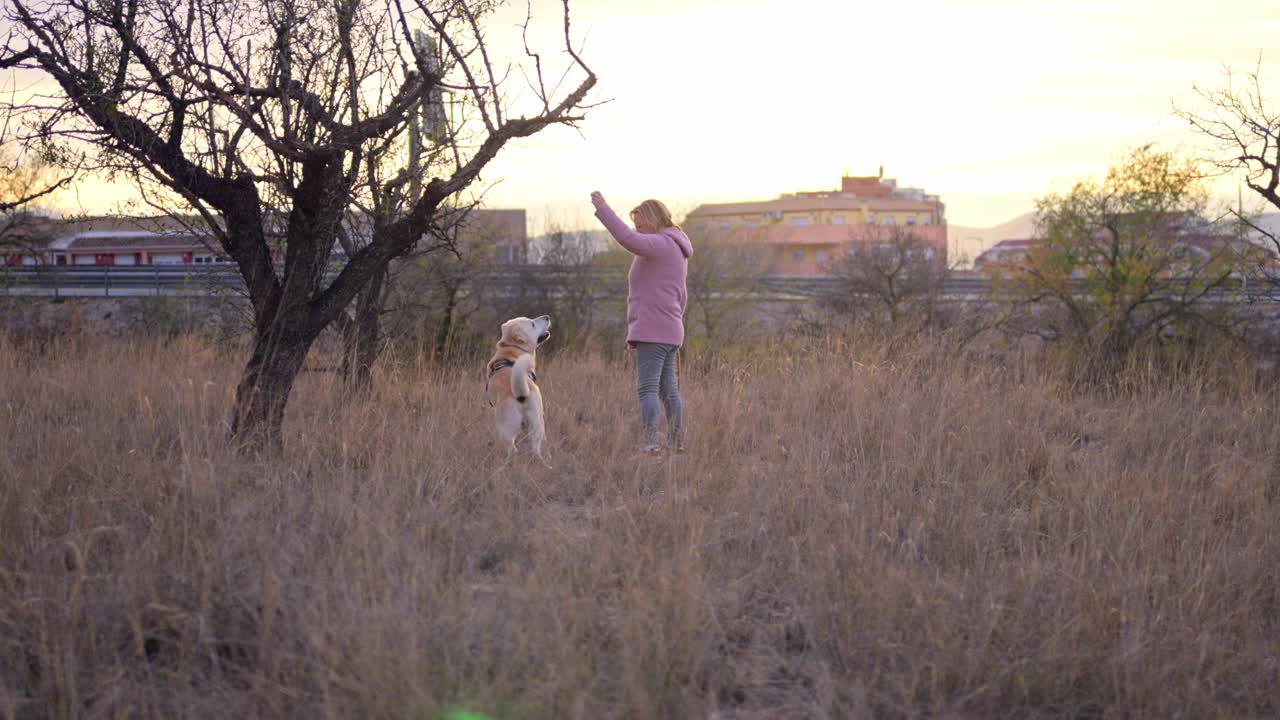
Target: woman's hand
(597, 199)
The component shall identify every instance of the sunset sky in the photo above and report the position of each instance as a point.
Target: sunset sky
(987, 103)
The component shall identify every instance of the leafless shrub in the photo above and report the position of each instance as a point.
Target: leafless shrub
(725, 286)
(890, 282)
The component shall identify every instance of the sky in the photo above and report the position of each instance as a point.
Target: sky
(987, 103)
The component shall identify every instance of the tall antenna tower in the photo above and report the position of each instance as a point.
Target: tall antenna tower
(429, 122)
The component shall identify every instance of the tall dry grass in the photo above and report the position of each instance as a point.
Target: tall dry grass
(855, 532)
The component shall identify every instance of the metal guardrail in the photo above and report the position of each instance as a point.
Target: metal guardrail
(108, 280)
(116, 280)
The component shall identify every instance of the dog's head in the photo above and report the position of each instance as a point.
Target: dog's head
(527, 332)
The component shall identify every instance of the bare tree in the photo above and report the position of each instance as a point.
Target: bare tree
(432, 295)
(723, 281)
(25, 232)
(888, 273)
(570, 287)
(446, 263)
(452, 301)
(24, 183)
(281, 117)
(1244, 137)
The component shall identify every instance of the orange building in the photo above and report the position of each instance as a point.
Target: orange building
(804, 232)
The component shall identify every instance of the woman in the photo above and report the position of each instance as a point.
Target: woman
(656, 299)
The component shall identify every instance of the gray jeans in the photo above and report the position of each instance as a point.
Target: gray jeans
(656, 378)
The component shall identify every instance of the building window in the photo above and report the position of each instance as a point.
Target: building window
(928, 220)
(871, 219)
(797, 255)
(751, 224)
(820, 255)
(911, 219)
(839, 220)
(888, 220)
(801, 220)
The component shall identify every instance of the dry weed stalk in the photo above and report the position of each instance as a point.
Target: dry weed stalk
(853, 534)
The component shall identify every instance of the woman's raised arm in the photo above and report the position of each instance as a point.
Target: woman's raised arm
(645, 244)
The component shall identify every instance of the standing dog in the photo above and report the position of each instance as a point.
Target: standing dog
(511, 383)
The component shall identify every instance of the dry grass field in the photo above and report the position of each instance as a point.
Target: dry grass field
(855, 532)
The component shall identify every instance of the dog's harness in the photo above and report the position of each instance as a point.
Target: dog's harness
(502, 364)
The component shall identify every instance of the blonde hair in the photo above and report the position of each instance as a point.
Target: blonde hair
(654, 213)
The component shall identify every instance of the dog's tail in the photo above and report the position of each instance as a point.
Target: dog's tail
(520, 377)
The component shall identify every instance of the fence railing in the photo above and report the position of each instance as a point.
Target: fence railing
(117, 280)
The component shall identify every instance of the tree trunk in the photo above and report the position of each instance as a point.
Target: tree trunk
(363, 336)
(264, 388)
(445, 329)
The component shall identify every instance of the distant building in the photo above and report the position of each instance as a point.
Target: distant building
(807, 230)
(138, 248)
(164, 240)
(505, 231)
(1004, 253)
(1188, 251)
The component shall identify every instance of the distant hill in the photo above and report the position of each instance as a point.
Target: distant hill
(969, 242)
